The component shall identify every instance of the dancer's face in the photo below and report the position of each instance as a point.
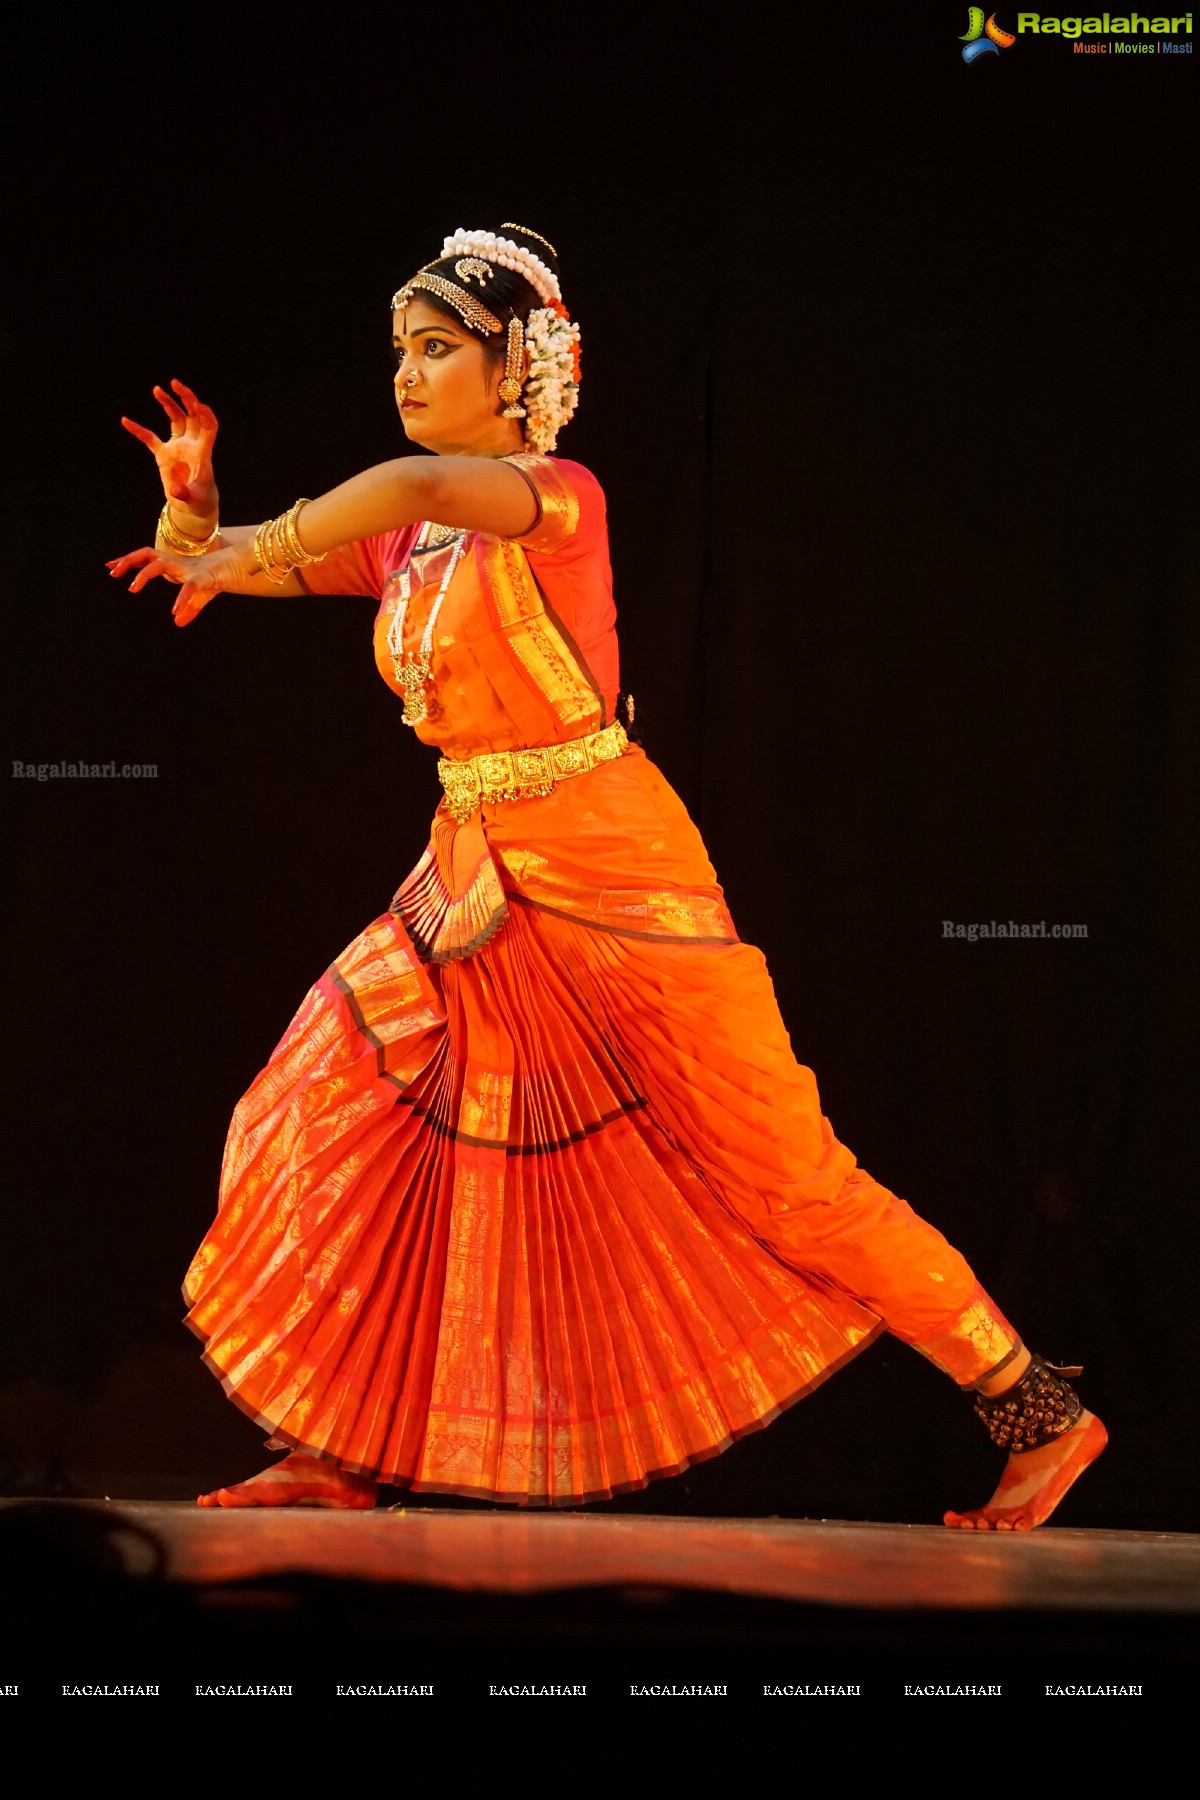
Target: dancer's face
(447, 389)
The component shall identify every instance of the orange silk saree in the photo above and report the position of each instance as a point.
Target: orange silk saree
(533, 1201)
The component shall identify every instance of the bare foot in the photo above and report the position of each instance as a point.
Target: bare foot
(1034, 1482)
(299, 1480)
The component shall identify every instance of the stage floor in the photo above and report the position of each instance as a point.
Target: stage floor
(462, 1600)
(823, 1562)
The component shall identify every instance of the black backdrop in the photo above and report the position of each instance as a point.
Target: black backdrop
(886, 364)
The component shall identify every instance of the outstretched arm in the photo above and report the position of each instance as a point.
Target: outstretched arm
(471, 491)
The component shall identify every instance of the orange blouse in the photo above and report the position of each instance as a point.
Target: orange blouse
(524, 654)
(525, 650)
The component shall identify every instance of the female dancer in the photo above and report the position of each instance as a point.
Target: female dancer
(533, 1201)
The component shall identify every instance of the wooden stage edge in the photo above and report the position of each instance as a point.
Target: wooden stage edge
(466, 1606)
(824, 1563)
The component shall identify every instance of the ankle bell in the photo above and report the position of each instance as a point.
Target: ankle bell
(1035, 1410)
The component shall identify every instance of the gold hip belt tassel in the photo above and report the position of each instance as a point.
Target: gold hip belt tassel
(522, 774)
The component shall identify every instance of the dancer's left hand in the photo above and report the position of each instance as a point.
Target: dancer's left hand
(200, 578)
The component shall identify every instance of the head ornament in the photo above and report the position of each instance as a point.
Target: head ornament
(470, 310)
(509, 254)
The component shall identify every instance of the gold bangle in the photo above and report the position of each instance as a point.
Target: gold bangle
(297, 554)
(277, 551)
(267, 555)
(295, 550)
(174, 539)
(277, 546)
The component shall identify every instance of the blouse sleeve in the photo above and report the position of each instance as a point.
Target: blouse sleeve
(358, 568)
(568, 557)
(567, 496)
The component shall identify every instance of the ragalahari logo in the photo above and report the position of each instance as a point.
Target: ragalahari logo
(981, 39)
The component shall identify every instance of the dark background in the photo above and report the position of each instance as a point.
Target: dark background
(887, 363)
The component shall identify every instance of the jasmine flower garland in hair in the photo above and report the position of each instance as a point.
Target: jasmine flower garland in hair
(552, 390)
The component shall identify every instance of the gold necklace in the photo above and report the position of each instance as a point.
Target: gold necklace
(413, 672)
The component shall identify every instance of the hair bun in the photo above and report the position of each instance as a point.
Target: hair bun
(535, 237)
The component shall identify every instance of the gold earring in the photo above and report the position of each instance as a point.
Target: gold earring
(510, 387)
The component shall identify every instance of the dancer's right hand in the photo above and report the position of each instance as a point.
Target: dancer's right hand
(184, 459)
(199, 578)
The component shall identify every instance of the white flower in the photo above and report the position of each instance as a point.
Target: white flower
(551, 392)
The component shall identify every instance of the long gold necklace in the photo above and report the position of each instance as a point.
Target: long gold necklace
(413, 672)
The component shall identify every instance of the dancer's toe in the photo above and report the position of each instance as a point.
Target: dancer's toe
(299, 1480)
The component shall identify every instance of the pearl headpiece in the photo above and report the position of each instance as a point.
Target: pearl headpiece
(509, 255)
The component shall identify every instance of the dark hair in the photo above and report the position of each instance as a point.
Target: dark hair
(504, 294)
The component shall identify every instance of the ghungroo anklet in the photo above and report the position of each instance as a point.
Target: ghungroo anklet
(1038, 1408)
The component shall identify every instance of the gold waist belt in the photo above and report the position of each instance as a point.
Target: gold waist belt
(521, 774)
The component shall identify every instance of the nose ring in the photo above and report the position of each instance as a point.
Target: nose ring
(410, 380)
